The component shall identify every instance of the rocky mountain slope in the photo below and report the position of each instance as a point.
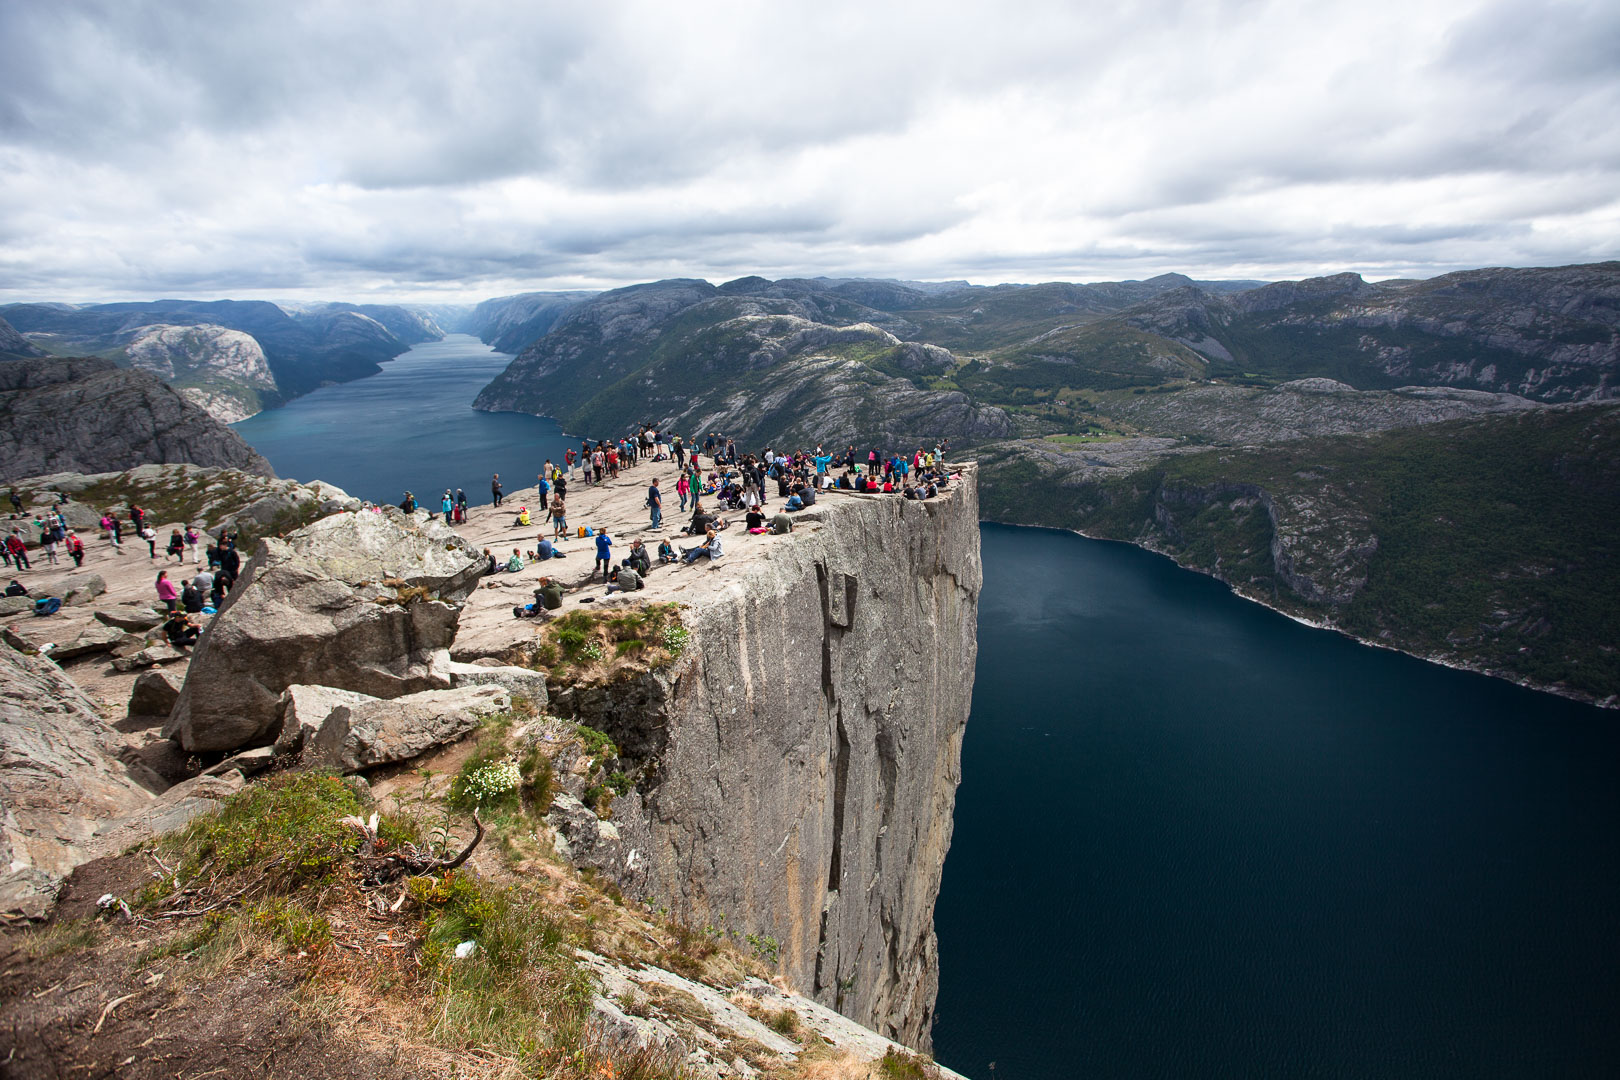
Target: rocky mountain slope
(223, 370)
(767, 360)
(511, 322)
(87, 415)
(13, 346)
(210, 346)
(1487, 542)
(644, 859)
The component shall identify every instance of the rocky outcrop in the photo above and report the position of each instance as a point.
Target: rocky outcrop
(510, 323)
(371, 732)
(86, 416)
(14, 345)
(363, 601)
(800, 766)
(59, 778)
(765, 361)
(223, 370)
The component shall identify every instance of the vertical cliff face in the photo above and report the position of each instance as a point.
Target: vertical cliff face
(806, 755)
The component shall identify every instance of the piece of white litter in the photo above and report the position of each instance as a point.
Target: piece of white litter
(465, 949)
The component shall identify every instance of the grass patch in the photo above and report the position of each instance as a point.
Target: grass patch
(648, 636)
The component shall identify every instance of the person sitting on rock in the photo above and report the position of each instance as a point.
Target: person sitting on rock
(515, 563)
(180, 630)
(16, 588)
(522, 520)
(191, 598)
(638, 559)
(624, 579)
(781, 524)
(491, 565)
(666, 551)
(408, 503)
(710, 548)
(549, 594)
(545, 550)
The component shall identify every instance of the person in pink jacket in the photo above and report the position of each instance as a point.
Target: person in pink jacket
(682, 486)
(166, 590)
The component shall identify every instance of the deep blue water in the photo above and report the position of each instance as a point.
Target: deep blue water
(1197, 839)
(1193, 838)
(410, 428)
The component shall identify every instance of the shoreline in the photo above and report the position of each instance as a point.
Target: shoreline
(1611, 703)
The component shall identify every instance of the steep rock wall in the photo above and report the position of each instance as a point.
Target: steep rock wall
(806, 754)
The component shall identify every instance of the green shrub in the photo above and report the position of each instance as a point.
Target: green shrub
(288, 827)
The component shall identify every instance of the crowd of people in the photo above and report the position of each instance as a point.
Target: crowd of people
(713, 478)
(732, 481)
(185, 601)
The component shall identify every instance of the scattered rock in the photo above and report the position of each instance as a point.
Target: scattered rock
(154, 694)
(150, 656)
(521, 682)
(366, 601)
(360, 736)
(16, 605)
(92, 639)
(135, 619)
(303, 709)
(248, 762)
(81, 588)
(585, 840)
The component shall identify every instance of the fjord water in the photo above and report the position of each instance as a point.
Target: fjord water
(1197, 839)
(409, 428)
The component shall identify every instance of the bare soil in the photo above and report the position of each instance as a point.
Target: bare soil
(93, 1010)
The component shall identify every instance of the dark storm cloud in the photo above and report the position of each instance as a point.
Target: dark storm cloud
(481, 147)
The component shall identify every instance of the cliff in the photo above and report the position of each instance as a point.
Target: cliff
(1484, 541)
(87, 416)
(797, 766)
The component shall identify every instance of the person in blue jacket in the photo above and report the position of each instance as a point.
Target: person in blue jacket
(604, 553)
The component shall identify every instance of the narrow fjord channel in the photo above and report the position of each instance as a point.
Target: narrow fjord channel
(1193, 838)
(1197, 839)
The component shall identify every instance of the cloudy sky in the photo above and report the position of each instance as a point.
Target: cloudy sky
(456, 150)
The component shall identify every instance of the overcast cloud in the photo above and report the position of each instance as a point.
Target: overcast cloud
(455, 151)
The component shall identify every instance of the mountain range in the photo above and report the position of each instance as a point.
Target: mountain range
(1274, 434)
(233, 357)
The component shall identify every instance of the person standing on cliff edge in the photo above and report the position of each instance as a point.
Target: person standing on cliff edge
(495, 488)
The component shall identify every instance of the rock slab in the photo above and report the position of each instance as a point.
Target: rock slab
(60, 778)
(371, 733)
(365, 601)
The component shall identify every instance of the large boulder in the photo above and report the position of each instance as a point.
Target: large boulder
(365, 601)
(16, 605)
(61, 639)
(60, 778)
(520, 682)
(136, 618)
(303, 709)
(371, 733)
(81, 588)
(154, 694)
